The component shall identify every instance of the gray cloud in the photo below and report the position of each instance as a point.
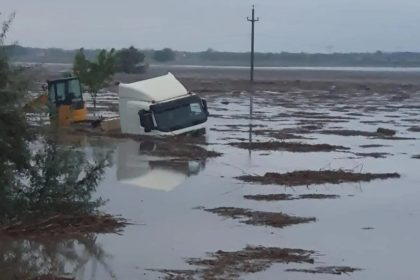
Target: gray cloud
(286, 25)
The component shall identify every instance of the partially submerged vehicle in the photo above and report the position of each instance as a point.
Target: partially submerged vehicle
(160, 106)
(65, 101)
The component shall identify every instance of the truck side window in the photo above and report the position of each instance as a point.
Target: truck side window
(195, 108)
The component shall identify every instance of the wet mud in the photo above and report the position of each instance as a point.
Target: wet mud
(259, 218)
(309, 177)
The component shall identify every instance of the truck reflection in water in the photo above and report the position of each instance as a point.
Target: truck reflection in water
(142, 165)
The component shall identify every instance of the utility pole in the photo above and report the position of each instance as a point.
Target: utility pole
(253, 20)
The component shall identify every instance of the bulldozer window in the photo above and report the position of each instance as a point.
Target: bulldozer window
(74, 89)
(61, 92)
(51, 94)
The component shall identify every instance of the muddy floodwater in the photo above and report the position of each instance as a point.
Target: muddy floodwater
(178, 205)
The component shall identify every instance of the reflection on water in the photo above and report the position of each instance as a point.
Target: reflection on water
(61, 179)
(58, 179)
(138, 165)
(25, 259)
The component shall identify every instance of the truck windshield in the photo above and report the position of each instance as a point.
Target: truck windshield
(179, 114)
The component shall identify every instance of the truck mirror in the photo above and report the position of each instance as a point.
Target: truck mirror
(206, 110)
(146, 120)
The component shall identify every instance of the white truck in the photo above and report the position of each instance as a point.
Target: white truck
(160, 106)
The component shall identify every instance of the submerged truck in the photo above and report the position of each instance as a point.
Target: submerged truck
(160, 106)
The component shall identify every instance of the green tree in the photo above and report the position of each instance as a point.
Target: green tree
(14, 137)
(164, 55)
(130, 60)
(41, 178)
(97, 74)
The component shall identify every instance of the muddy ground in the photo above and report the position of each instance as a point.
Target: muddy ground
(317, 128)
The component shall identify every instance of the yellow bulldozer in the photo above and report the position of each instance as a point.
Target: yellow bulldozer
(65, 101)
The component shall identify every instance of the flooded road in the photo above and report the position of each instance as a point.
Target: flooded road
(372, 226)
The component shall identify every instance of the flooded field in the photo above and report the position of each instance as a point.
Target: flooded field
(341, 199)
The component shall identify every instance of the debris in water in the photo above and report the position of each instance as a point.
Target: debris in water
(368, 228)
(64, 226)
(288, 146)
(381, 133)
(373, 155)
(278, 134)
(348, 132)
(278, 220)
(230, 265)
(310, 177)
(283, 196)
(373, 146)
(336, 270)
(47, 277)
(414, 129)
(386, 132)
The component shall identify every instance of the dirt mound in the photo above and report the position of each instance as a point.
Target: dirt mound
(309, 177)
(230, 265)
(287, 146)
(283, 196)
(278, 220)
(335, 270)
(64, 226)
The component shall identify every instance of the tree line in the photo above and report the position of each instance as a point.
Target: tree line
(132, 60)
(128, 60)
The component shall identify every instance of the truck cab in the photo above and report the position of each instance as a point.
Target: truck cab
(160, 106)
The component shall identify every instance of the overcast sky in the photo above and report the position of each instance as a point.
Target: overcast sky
(195, 25)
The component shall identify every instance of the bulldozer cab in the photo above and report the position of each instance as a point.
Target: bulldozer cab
(66, 100)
